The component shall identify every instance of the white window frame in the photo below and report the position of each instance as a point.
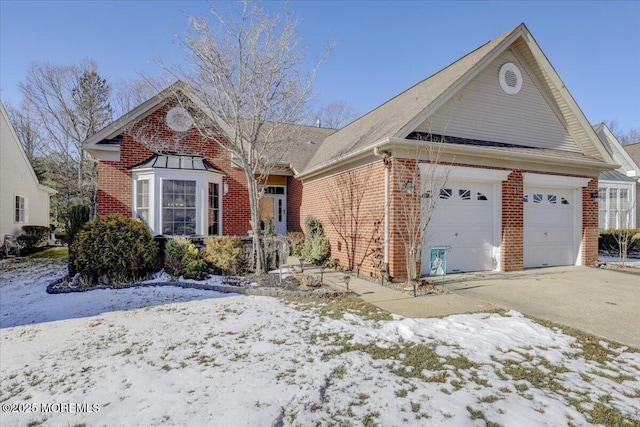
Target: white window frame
(156, 177)
(604, 198)
(19, 213)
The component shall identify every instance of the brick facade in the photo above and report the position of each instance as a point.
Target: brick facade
(590, 224)
(321, 199)
(317, 196)
(115, 193)
(512, 253)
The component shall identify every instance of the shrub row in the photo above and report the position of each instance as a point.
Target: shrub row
(616, 240)
(114, 249)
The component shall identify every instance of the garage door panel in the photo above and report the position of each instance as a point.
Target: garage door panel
(463, 220)
(549, 227)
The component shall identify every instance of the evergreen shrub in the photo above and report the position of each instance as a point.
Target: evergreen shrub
(112, 248)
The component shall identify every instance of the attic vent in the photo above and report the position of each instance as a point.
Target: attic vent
(510, 78)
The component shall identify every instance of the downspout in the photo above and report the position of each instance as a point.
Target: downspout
(386, 158)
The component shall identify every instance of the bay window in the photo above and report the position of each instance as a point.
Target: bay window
(178, 195)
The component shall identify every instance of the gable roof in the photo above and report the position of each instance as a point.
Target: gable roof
(634, 151)
(627, 164)
(107, 139)
(4, 117)
(305, 142)
(400, 116)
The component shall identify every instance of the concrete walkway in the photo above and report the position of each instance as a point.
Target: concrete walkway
(602, 302)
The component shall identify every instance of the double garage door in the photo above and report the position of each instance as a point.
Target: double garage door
(467, 221)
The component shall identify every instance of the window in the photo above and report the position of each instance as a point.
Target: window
(178, 207)
(445, 193)
(273, 190)
(551, 198)
(178, 195)
(537, 198)
(481, 196)
(525, 198)
(625, 209)
(19, 215)
(613, 208)
(616, 205)
(214, 209)
(464, 194)
(142, 200)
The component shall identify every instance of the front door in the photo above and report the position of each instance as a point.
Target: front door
(273, 207)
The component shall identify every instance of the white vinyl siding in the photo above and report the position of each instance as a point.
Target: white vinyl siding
(18, 179)
(483, 111)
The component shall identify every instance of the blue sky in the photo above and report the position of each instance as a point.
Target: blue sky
(383, 47)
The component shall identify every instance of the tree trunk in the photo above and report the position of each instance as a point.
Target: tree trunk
(254, 204)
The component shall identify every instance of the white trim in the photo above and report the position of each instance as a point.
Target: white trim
(23, 210)
(510, 90)
(554, 181)
(157, 176)
(464, 173)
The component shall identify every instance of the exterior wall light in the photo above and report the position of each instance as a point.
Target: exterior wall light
(225, 188)
(408, 186)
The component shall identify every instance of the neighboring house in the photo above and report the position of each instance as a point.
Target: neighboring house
(23, 200)
(634, 152)
(618, 189)
(520, 159)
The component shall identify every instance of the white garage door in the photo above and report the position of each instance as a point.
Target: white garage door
(549, 226)
(464, 221)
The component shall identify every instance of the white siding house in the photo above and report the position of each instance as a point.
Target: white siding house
(617, 190)
(23, 200)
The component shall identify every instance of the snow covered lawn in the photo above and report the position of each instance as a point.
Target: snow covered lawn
(172, 356)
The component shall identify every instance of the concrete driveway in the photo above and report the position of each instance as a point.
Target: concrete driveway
(603, 302)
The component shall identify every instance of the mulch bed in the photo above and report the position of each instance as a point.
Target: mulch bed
(263, 285)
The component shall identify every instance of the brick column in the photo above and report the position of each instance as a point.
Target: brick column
(590, 224)
(512, 223)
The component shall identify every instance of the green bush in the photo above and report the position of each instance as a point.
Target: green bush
(113, 248)
(62, 236)
(226, 255)
(296, 243)
(182, 258)
(78, 215)
(193, 266)
(317, 249)
(312, 226)
(33, 236)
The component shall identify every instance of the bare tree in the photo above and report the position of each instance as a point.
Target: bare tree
(630, 137)
(29, 133)
(335, 115)
(416, 195)
(128, 94)
(350, 219)
(71, 103)
(248, 72)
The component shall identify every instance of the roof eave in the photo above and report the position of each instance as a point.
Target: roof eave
(492, 153)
